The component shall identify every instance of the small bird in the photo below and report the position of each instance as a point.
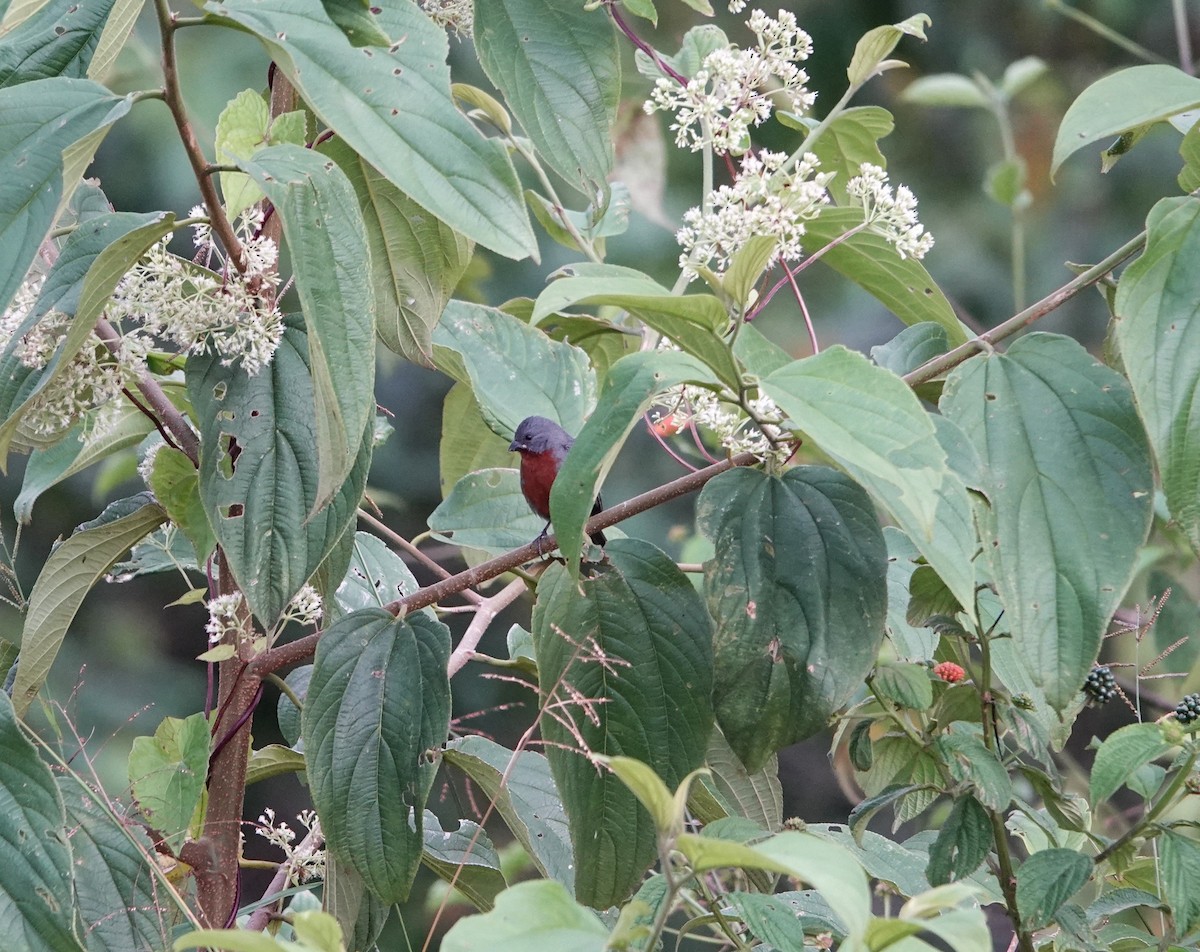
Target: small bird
(543, 446)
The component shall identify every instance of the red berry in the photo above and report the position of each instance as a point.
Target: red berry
(667, 425)
(950, 672)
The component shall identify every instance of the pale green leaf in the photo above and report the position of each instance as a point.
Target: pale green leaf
(167, 773)
(537, 916)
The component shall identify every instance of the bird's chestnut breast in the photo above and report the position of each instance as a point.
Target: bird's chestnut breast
(537, 476)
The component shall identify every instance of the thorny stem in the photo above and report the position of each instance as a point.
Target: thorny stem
(952, 358)
(302, 648)
(173, 96)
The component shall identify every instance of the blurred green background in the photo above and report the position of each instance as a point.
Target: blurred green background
(127, 662)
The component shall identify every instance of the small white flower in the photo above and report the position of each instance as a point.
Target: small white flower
(891, 214)
(305, 606)
(223, 617)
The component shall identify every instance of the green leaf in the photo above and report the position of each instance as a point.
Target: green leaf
(467, 443)
(1157, 331)
(912, 347)
(354, 18)
(883, 859)
(770, 919)
(537, 916)
(315, 931)
(167, 774)
(523, 789)
(757, 796)
(970, 761)
(1180, 872)
(647, 786)
(1122, 101)
(962, 843)
(1053, 427)
(244, 127)
(945, 89)
(36, 902)
(758, 354)
(908, 685)
(851, 139)
(696, 322)
(1047, 880)
(910, 642)
(1189, 150)
(630, 385)
(258, 488)
(44, 119)
(67, 576)
(360, 914)
(1020, 74)
(176, 485)
(378, 700)
(1124, 751)
(639, 655)
(798, 593)
(515, 370)
(902, 285)
(56, 40)
(486, 511)
(121, 900)
(393, 107)
(93, 260)
(464, 857)
(274, 760)
(327, 239)
(376, 576)
(569, 114)
(416, 259)
(873, 426)
(872, 50)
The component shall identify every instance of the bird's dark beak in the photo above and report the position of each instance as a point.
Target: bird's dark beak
(515, 446)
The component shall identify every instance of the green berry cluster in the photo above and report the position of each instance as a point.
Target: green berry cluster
(1100, 686)
(1188, 709)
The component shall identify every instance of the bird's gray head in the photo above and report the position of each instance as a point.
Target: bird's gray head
(536, 434)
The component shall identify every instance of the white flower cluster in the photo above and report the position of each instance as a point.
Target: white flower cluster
(306, 859)
(767, 199)
(890, 213)
(223, 617)
(732, 89)
(453, 16)
(735, 431)
(305, 607)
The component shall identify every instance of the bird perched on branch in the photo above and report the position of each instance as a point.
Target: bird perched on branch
(543, 446)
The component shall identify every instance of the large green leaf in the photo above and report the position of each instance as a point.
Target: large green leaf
(515, 370)
(630, 385)
(1048, 879)
(393, 106)
(67, 576)
(328, 244)
(1066, 473)
(696, 322)
(851, 139)
(902, 285)
(42, 120)
(375, 577)
(1123, 101)
(487, 511)
(359, 912)
(56, 40)
(416, 260)
(625, 668)
(568, 111)
(465, 857)
(873, 426)
(467, 444)
(122, 900)
(536, 916)
(1158, 331)
(258, 477)
(798, 591)
(523, 789)
(167, 773)
(36, 903)
(93, 260)
(378, 700)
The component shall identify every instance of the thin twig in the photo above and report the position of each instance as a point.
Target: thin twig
(485, 614)
(402, 543)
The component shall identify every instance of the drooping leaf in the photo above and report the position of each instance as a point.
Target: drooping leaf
(1068, 487)
(872, 50)
(92, 262)
(416, 260)
(464, 856)
(873, 426)
(122, 902)
(902, 285)
(58, 39)
(176, 485)
(44, 119)
(537, 916)
(378, 700)
(851, 139)
(515, 370)
(258, 477)
(1180, 867)
(1047, 880)
(798, 591)
(36, 902)
(393, 106)
(625, 656)
(1158, 330)
(523, 789)
(359, 912)
(962, 843)
(327, 239)
(67, 576)
(945, 89)
(568, 113)
(1122, 101)
(630, 385)
(757, 796)
(167, 774)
